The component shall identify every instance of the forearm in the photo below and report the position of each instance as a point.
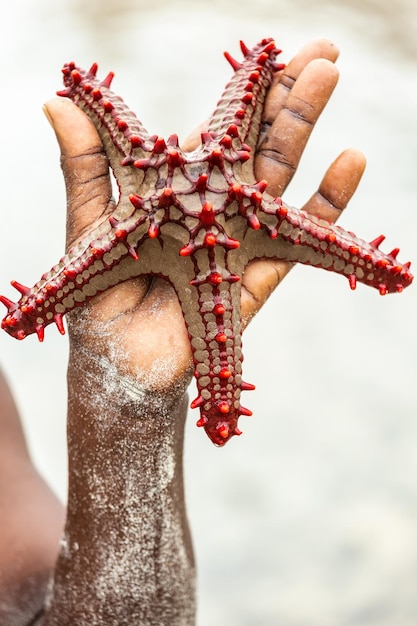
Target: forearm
(126, 556)
(31, 519)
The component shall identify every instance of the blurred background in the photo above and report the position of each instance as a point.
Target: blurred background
(309, 518)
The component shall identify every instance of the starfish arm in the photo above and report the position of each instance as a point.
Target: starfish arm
(299, 237)
(242, 102)
(211, 310)
(125, 139)
(105, 257)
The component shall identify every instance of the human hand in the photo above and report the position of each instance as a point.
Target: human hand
(130, 363)
(138, 325)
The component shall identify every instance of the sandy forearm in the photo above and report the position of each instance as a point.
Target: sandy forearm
(126, 557)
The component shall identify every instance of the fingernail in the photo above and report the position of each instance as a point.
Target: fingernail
(47, 114)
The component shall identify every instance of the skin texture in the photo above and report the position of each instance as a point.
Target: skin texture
(126, 556)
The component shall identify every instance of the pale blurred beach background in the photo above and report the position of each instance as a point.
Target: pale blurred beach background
(309, 518)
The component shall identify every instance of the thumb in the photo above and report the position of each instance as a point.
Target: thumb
(84, 165)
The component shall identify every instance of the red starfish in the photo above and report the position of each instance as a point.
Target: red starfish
(195, 219)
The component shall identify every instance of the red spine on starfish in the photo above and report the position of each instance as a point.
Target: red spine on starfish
(196, 219)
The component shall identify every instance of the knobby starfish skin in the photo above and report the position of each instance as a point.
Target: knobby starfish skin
(196, 219)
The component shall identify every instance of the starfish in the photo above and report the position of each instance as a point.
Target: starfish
(196, 219)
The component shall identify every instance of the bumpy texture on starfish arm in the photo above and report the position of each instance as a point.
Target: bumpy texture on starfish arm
(196, 219)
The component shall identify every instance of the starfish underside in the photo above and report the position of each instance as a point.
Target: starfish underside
(196, 219)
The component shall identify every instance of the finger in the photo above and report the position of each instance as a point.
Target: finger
(281, 151)
(338, 186)
(258, 282)
(84, 165)
(316, 49)
(194, 139)
(334, 193)
(278, 94)
(285, 80)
